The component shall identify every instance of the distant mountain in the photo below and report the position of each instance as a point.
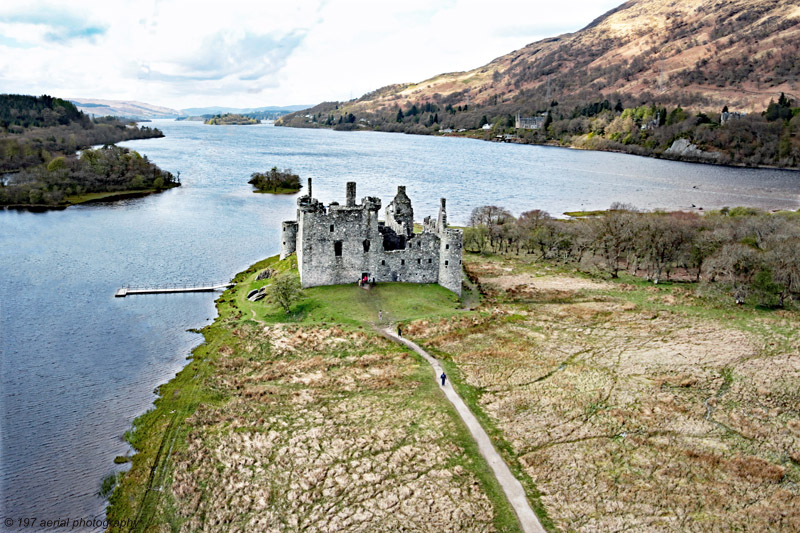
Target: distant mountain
(684, 79)
(700, 54)
(124, 108)
(217, 110)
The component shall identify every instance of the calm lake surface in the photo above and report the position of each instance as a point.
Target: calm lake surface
(78, 365)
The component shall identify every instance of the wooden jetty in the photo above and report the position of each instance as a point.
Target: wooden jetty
(173, 288)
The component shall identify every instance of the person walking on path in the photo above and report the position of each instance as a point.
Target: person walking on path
(444, 377)
(380, 315)
(399, 332)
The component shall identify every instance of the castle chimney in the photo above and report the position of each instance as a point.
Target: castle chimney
(309, 188)
(351, 194)
(401, 189)
(441, 221)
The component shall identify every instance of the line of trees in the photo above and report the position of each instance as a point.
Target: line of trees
(754, 254)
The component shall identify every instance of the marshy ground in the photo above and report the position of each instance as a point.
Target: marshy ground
(633, 406)
(619, 405)
(309, 422)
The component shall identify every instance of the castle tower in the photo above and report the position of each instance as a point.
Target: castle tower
(450, 247)
(351, 194)
(400, 214)
(288, 238)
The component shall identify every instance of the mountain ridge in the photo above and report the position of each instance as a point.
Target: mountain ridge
(123, 108)
(694, 53)
(697, 80)
(135, 109)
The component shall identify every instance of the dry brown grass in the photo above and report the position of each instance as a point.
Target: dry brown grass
(327, 430)
(637, 418)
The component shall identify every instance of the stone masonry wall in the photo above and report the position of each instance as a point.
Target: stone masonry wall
(339, 244)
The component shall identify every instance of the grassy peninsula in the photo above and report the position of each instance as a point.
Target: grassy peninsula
(618, 402)
(231, 119)
(308, 421)
(40, 166)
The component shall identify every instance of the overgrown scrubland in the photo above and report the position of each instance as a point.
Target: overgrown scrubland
(632, 406)
(309, 421)
(752, 255)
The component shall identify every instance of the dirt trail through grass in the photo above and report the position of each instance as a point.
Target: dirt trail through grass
(510, 485)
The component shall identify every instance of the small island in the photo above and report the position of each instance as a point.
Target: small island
(276, 181)
(231, 119)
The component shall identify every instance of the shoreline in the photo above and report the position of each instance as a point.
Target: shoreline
(159, 437)
(89, 198)
(555, 144)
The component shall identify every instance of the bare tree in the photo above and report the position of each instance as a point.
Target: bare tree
(285, 290)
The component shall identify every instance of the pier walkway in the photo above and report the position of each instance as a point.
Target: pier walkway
(173, 288)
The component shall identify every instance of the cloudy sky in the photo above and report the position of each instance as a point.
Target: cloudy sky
(243, 53)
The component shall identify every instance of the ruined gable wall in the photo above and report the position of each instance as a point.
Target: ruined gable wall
(417, 263)
(351, 227)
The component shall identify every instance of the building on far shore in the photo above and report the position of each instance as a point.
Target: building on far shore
(529, 123)
(344, 243)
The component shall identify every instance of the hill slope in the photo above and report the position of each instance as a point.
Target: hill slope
(694, 53)
(638, 79)
(124, 108)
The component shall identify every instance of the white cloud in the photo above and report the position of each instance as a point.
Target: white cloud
(251, 53)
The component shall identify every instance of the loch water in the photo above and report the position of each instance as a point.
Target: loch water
(78, 365)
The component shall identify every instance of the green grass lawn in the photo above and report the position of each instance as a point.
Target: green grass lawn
(343, 304)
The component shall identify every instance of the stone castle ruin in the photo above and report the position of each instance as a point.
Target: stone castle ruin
(344, 243)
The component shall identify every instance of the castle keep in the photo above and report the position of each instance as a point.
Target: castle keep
(343, 243)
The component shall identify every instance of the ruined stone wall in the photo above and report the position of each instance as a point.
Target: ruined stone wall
(417, 263)
(341, 244)
(340, 229)
(400, 214)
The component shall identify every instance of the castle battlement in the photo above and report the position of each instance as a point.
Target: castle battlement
(343, 243)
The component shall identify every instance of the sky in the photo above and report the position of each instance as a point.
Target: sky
(243, 53)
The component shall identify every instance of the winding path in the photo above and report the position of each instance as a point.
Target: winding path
(510, 485)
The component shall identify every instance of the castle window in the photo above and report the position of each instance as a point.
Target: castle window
(402, 261)
(429, 261)
(445, 263)
(331, 228)
(419, 244)
(383, 262)
(366, 245)
(419, 261)
(337, 248)
(446, 246)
